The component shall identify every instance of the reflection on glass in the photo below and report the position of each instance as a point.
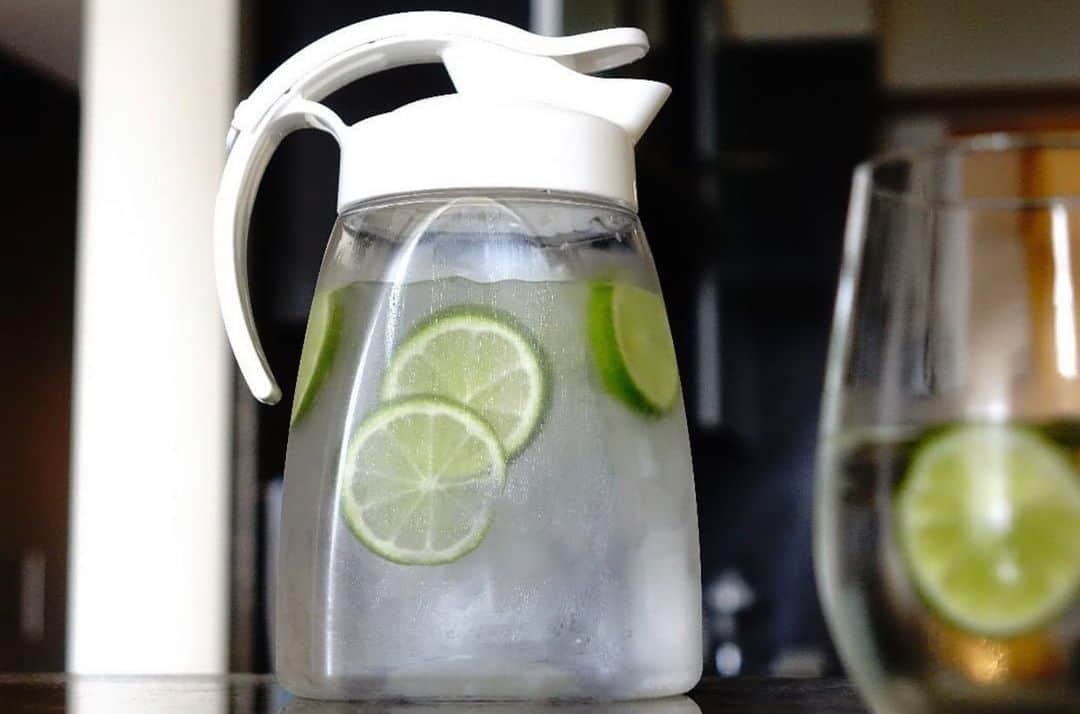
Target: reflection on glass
(149, 695)
(671, 705)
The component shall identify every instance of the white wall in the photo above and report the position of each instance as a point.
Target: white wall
(149, 518)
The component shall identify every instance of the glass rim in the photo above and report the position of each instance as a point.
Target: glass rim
(987, 143)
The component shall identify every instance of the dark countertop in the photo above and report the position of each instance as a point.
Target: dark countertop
(257, 694)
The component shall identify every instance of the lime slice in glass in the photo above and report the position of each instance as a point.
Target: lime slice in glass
(420, 480)
(480, 358)
(988, 519)
(320, 344)
(631, 346)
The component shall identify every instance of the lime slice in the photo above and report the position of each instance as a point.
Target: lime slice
(420, 480)
(988, 518)
(320, 344)
(480, 358)
(632, 348)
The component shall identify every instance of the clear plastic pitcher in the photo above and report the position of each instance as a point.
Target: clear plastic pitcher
(488, 488)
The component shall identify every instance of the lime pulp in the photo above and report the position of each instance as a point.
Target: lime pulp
(481, 359)
(632, 347)
(420, 479)
(320, 345)
(988, 519)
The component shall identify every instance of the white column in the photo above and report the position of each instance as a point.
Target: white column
(149, 517)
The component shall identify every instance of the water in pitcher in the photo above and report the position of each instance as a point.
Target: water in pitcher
(501, 476)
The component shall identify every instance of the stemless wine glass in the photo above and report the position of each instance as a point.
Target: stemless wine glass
(948, 497)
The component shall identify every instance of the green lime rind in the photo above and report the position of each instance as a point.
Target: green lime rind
(605, 352)
(988, 522)
(615, 325)
(482, 358)
(325, 326)
(644, 339)
(420, 479)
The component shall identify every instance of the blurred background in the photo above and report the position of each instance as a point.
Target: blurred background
(141, 479)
